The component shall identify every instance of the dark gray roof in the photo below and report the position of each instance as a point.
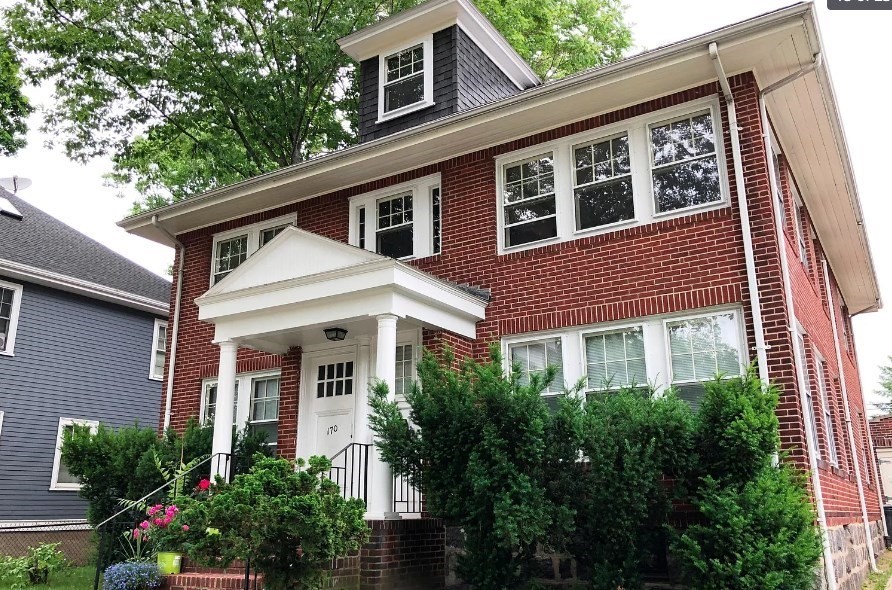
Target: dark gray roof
(40, 240)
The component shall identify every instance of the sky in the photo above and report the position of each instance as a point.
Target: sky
(856, 51)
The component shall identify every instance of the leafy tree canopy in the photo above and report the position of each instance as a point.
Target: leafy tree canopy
(187, 96)
(885, 386)
(14, 106)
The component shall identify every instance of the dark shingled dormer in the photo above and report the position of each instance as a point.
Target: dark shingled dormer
(438, 58)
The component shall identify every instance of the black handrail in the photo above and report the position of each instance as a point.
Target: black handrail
(407, 499)
(350, 470)
(111, 527)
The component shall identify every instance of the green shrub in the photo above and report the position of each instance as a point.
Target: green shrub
(479, 449)
(289, 524)
(757, 526)
(631, 439)
(33, 569)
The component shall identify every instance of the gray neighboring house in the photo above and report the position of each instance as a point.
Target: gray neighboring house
(82, 340)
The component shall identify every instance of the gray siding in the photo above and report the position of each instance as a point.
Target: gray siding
(75, 358)
(445, 91)
(480, 81)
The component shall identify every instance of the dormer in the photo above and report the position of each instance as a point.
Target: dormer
(436, 59)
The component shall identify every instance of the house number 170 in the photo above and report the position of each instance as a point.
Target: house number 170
(332, 430)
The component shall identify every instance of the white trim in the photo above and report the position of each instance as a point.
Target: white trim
(427, 48)
(17, 290)
(155, 349)
(252, 232)
(2, 415)
(55, 485)
(823, 375)
(62, 282)
(643, 194)
(422, 214)
(22, 526)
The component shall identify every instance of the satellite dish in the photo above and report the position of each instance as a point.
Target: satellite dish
(15, 183)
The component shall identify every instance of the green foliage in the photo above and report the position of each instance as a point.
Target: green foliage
(631, 439)
(289, 524)
(756, 528)
(188, 96)
(478, 449)
(33, 569)
(885, 386)
(14, 106)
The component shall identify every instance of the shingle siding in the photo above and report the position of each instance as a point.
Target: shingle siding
(77, 358)
(480, 81)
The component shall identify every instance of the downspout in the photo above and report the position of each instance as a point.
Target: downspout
(739, 180)
(801, 374)
(175, 332)
(848, 417)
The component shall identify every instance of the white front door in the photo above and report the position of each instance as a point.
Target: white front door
(332, 390)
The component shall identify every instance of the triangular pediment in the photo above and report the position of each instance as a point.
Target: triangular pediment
(293, 254)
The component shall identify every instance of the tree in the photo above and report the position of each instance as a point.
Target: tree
(885, 388)
(14, 106)
(187, 96)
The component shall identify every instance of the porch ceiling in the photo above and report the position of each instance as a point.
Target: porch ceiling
(301, 282)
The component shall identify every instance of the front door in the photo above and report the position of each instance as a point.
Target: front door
(332, 393)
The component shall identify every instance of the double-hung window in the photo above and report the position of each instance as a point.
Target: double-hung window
(685, 163)
(62, 479)
(615, 360)
(233, 247)
(700, 349)
(264, 412)
(405, 79)
(812, 418)
(799, 223)
(528, 201)
(210, 403)
(603, 183)
(830, 432)
(10, 301)
(159, 348)
(401, 221)
(532, 358)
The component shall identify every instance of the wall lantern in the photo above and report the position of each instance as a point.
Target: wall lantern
(335, 334)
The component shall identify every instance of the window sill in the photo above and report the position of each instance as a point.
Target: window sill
(63, 487)
(6, 353)
(156, 378)
(411, 108)
(660, 215)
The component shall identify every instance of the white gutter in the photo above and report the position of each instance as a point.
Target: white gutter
(848, 416)
(829, 572)
(174, 335)
(740, 181)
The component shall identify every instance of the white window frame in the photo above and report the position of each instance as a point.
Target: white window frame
(799, 230)
(657, 354)
(811, 424)
(742, 357)
(55, 485)
(253, 232)
(422, 215)
(823, 375)
(14, 316)
(427, 44)
(158, 346)
(616, 329)
(643, 194)
(243, 402)
(542, 338)
(2, 415)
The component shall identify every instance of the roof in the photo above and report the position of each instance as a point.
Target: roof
(45, 250)
(772, 46)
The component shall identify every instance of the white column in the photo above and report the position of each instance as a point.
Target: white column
(380, 502)
(223, 413)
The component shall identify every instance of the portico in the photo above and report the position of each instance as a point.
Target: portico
(287, 294)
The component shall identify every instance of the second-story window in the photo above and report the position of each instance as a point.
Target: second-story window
(529, 201)
(603, 183)
(685, 164)
(394, 235)
(233, 247)
(10, 297)
(404, 79)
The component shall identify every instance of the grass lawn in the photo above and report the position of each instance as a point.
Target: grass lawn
(879, 580)
(75, 578)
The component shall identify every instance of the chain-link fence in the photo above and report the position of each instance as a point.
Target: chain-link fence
(75, 538)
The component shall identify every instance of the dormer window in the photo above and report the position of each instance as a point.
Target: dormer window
(406, 80)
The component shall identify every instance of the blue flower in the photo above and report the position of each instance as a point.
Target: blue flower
(132, 576)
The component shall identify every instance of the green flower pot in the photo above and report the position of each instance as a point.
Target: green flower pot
(169, 562)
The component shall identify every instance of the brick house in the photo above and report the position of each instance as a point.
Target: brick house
(881, 439)
(595, 223)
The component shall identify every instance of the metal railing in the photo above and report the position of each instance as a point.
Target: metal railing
(407, 499)
(111, 531)
(350, 470)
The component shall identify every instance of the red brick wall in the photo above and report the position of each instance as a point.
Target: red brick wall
(670, 265)
(404, 555)
(881, 431)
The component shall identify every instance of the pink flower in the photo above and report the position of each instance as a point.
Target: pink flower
(136, 533)
(158, 522)
(185, 527)
(155, 509)
(204, 485)
(171, 510)
(144, 525)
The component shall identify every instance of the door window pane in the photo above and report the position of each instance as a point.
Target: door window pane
(685, 163)
(334, 380)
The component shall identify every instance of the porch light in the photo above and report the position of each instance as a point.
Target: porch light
(335, 334)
